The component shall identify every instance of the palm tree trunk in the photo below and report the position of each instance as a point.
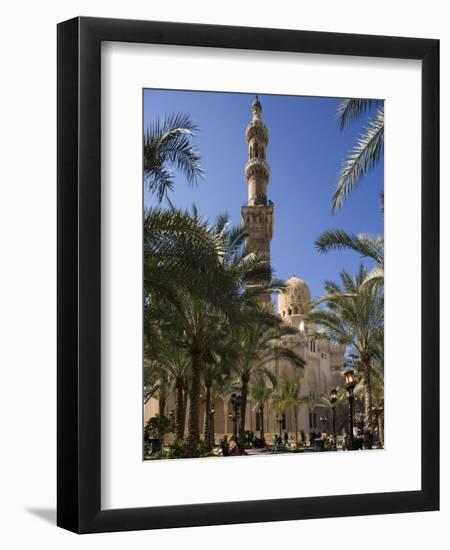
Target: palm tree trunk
(381, 428)
(194, 405)
(161, 405)
(180, 410)
(207, 431)
(161, 411)
(296, 425)
(244, 394)
(261, 419)
(212, 431)
(367, 393)
(185, 404)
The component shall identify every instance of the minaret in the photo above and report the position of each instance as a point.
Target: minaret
(257, 215)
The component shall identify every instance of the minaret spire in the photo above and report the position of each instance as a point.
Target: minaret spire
(257, 170)
(256, 108)
(258, 214)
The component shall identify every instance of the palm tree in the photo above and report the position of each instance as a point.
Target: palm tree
(168, 144)
(230, 306)
(378, 381)
(260, 394)
(368, 246)
(258, 347)
(156, 384)
(214, 373)
(368, 149)
(353, 316)
(198, 323)
(176, 362)
(176, 243)
(287, 394)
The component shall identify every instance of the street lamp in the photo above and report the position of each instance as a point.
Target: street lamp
(333, 399)
(350, 383)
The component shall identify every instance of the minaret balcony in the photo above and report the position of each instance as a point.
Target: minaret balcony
(256, 129)
(255, 167)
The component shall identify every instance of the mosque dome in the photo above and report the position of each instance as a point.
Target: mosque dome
(295, 299)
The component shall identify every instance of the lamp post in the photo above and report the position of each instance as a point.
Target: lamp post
(350, 383)
(333, 399)
(235, 403)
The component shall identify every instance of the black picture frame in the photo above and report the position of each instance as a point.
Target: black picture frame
(79, 281)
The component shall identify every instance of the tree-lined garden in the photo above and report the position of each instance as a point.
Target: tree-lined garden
(207, 332)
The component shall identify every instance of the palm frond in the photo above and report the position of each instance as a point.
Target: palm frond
(365, 245)
(376, 276)
(350, 109)
(168, 146)
(360, 160)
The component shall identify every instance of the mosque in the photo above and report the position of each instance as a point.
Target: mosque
(324, 360)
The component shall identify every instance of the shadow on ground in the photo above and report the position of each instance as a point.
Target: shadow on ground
(46, 514)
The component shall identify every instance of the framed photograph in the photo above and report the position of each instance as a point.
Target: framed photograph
(224, 199)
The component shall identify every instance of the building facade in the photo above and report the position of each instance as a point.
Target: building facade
(324, 361)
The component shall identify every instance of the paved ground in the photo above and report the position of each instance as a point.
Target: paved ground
(261, 452)
(255, 452)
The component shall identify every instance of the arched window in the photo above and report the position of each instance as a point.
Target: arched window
(289, 311)
(295, 310)
(284, 313)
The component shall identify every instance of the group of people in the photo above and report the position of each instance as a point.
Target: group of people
(230, 447)
(363, 439)
(233, 447)
(316, 440)
(277, 442)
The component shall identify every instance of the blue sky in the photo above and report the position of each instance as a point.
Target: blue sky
(305, 152)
